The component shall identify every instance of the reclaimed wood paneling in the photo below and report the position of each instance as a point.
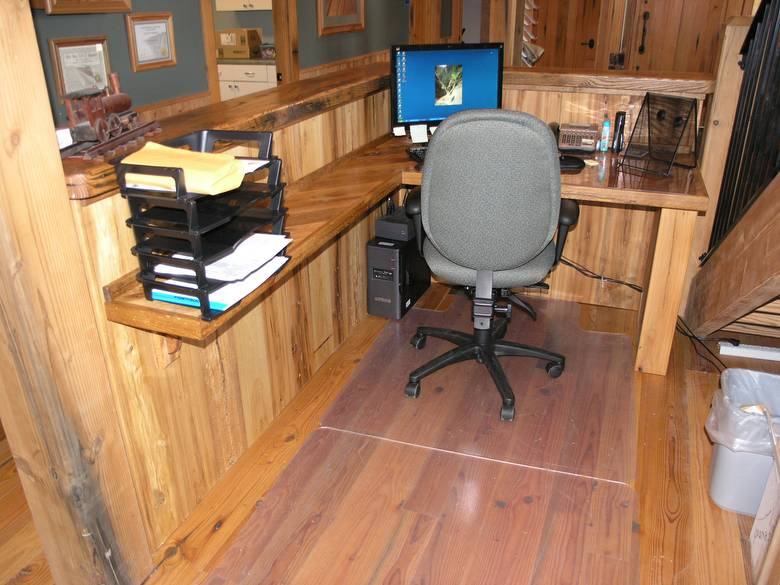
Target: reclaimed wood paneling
(382, 56)
(189, 410)
(55, 397)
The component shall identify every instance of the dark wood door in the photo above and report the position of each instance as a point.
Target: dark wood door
(568, 32)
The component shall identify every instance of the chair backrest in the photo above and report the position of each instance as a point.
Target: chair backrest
(491, 189)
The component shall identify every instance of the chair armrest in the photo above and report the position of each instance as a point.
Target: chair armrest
(413, 207)
(568, 217)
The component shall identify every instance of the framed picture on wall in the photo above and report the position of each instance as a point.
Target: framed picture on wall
(150, 35)
(80, 63)
(340, 16)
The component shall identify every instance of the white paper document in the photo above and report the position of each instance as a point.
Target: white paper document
(399, 131)
(248, 256)
(228, 295)
(419, 133)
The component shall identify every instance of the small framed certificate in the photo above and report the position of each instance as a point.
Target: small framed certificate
(80, 63)
(150, 35)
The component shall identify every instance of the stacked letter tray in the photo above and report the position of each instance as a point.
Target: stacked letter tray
(204, 227)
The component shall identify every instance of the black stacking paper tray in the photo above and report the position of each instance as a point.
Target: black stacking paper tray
(207, 227)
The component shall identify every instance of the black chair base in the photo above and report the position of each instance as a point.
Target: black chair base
(485, 346)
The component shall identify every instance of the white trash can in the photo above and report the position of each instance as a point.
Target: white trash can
(743, 455)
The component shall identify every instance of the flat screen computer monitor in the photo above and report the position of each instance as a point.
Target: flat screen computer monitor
(431, 82)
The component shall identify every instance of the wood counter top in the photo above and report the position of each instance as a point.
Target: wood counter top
(696, 85)
(324, 203)
(267, 111)
(290, 103)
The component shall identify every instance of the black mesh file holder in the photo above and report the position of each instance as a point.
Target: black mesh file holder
(664, 135)
(205, 227)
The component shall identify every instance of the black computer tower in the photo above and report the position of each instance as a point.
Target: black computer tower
(397, 277)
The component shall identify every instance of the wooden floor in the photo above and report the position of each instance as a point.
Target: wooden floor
(684, 539)
(21, 552)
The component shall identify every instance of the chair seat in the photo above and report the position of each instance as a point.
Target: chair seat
(527, 274)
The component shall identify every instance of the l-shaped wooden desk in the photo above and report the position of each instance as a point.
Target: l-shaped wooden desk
(327, 201)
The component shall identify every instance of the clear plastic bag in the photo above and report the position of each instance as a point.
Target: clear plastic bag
(729, 426)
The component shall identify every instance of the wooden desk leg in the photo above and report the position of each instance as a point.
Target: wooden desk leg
(664, 290)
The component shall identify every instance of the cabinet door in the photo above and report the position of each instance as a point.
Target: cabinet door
(247, 87)
(227, 90)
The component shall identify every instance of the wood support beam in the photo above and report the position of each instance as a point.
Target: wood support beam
(744, 272)
(661, 302)
(285, 13)
(493, 21)
(720, 122)
(210, 48)
(56, 398)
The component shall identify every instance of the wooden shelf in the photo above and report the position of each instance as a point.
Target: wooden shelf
(323, 204)
(319, 207)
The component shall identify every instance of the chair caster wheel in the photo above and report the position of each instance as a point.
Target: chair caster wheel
(508, 413)
(418, 341)
(554, 370)
(412, 389)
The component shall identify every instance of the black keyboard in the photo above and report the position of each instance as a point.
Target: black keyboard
(568, 163)
(417, 153)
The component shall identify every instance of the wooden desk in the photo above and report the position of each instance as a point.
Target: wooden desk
(325, 202)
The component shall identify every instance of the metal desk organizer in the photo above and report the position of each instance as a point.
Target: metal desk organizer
(207, 227)
(664, 135)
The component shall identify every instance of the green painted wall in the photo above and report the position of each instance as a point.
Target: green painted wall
(387, 23)
(187, 77)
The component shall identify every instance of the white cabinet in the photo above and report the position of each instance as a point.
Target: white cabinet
(236, 5)
(240, 80)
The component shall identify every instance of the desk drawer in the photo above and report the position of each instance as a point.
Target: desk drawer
(256, 73)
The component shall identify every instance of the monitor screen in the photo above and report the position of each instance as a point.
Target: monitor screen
(430, 82)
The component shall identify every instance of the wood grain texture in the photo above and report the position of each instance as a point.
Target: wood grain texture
(218, 517)
(285, 14)
(685, 538)
(22, 561)
(173, 106)
(570, 80)
(720, 122)
(56, 402)
(661, 301)
(744, 271)
(355, 509)
(210, 49)
(270, 110)
(580, 423)
(668, 485)
(382, 56)
(187, 418)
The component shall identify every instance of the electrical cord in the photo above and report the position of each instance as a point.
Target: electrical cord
(682, 328)
(681, 325)
(594, 275)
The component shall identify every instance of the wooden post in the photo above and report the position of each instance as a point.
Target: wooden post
(210, 48)
(285, 13)
(56, 401)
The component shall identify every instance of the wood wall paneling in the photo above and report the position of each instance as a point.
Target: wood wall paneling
(382, 56)
(174, 106)
(56, 399)
(743, 273)
(186, 419)
(717, 136)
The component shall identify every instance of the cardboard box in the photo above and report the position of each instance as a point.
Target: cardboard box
(239, 43)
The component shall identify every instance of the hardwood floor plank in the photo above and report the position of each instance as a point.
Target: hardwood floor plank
(210, 528)
(581, 423)
(353, 509)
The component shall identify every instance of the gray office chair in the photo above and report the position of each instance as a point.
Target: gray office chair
(490, 204)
